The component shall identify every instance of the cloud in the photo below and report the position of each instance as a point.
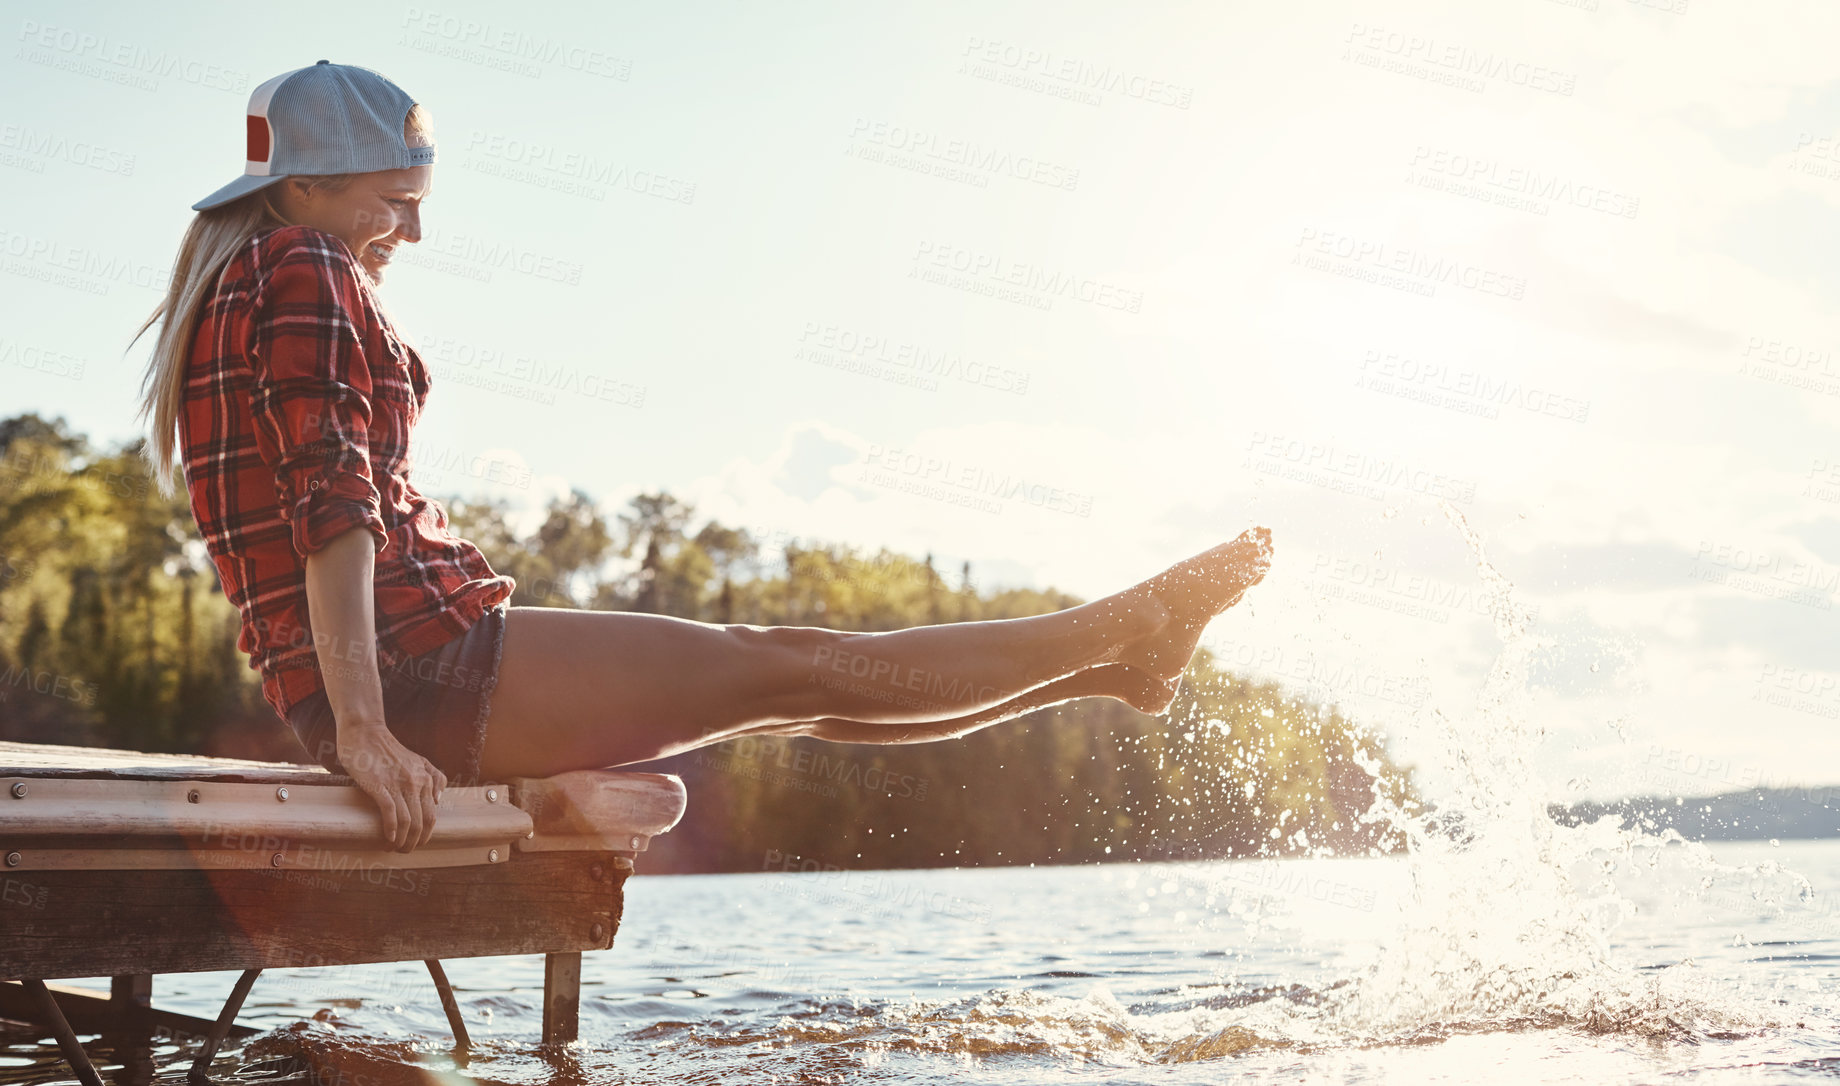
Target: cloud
(809, 465)
(1822, 536)
(1776, 630)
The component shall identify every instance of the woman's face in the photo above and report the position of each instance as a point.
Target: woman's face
(373, 213)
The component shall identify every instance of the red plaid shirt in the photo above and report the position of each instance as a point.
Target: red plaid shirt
(298, 406)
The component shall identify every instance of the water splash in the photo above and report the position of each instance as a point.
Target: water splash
(1510, 919)
(1509, 923)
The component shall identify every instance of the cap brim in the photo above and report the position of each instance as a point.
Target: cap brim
(242, 186)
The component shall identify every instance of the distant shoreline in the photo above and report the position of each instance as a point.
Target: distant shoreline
(1753, 814)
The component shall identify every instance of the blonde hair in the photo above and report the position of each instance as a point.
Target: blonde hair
(213, 237)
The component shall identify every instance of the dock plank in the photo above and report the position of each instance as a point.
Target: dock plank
(53, 760)
(97, 923)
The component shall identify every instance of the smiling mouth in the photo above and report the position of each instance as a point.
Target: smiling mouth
(381, 253)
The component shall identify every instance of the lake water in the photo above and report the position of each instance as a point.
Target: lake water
(1678, 965)
(1498, 947)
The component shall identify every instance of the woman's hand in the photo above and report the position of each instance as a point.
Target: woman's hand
(405, 785)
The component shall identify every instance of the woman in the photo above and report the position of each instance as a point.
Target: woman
(285, 389)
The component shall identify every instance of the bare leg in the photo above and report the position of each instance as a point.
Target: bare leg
(580, 689)
(1138, 689)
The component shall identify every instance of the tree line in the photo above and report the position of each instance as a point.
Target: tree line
(115, 631)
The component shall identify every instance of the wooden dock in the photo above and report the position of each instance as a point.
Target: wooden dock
(124, 864)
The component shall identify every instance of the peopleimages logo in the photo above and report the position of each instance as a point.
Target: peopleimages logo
(48, 683)
(488, 255)
(844, 347)
(27, 140)
(1353, 471)
(1456, 59)
(1464, 390)
(811, 770)
(932, 476)
(87, 269)
(966, 154)
(1759, 573)
(1036, 285)
(517, 51)
(1064, 76)
(571, 170)
(1411, 265)
(1515, 186)
(119, 61)
(1389, 588)
(45, 360)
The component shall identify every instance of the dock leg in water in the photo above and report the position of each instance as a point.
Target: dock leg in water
(66, 1037)
(561, 997)
(201, 1066)
(452, 1007)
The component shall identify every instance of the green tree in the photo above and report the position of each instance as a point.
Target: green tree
(729, 549)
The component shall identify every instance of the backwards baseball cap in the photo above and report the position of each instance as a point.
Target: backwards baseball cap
(326, 119)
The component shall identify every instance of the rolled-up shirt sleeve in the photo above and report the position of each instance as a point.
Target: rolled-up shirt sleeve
(312, 395)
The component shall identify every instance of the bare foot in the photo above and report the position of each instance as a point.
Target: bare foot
(1188, 596)
(1135, 687)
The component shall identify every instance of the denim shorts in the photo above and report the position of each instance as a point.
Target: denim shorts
(435, 704)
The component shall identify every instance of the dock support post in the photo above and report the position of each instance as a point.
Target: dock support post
(67, 1041)
(130, 1025)
(130, 999)
(202, 1065)
(561, 997)
(449, 1004)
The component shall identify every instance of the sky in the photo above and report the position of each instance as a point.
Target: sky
(1471, 304)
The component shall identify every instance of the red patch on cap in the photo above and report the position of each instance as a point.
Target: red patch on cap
(258, 138)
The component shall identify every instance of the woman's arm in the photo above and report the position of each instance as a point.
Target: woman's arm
(405, 785)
